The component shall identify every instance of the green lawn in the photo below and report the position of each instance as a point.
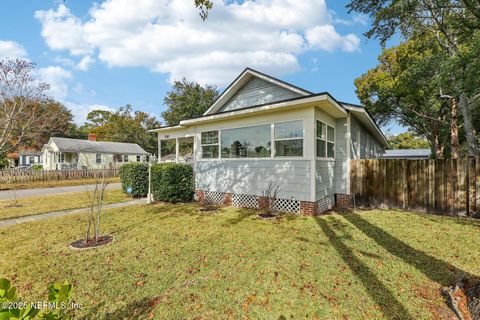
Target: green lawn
(52, 184)
(170, 262)
(41, 204)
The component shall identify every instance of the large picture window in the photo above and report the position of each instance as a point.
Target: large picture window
(210, 144)
(289, 139)
(325, 141)
(247, 142)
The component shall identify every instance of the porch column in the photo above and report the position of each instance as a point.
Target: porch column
(177, 150)
(159, 150)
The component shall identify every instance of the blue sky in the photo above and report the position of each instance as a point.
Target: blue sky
(117, 52)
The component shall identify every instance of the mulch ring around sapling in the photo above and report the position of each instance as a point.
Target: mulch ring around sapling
(267, 216)
(81, 244)
(464, 298)
(208, 209)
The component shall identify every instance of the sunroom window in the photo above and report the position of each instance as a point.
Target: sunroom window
(210, 144)
(289, 139)
(325, 141)
(247, 142)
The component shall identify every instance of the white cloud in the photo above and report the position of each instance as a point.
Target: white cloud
(327, 39)
(85, 63)
(11, 49)
(359, 19)
(80, 111)
(57, 78)
(63, 31)
(168, 36)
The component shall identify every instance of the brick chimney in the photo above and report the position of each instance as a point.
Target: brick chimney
(92, 137)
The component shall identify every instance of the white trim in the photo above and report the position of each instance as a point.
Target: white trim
(349, 148)
(272, 139)
(234, 86)
(326, 141)
(365, 113)
(287, 139)
(210, 144)
(166, 128)
(273, 106)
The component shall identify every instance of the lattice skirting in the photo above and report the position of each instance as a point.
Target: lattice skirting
(280, 205)
(213, 197)
(287, 205)
(326, 203)
(251, 201)
(245, 201)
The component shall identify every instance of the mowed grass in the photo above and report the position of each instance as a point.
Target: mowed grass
(171, 262)
(52, 184)
(65, 201)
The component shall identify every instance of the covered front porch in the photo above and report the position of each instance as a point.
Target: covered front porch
(177, 148)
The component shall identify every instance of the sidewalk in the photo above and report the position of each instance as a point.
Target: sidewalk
(43, 216)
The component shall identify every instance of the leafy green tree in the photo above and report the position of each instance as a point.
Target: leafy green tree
(27, 114)
(407, 140)
(187, 100)
(405, 86)
(124, 125)
(455, 25)
(204, 6)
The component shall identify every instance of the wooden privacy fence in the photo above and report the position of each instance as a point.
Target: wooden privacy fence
(449, 187)
(17, 176)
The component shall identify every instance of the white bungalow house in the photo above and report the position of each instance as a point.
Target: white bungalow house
(69, 154)
(262, 131)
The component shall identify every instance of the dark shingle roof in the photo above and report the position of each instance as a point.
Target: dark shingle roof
(86, 146)
(407, 154)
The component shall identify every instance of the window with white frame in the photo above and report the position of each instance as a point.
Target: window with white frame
(325, 141)
(61, 157)
(247, 142)
(125, 158)
(288, 137)
(209, 142)
(98, 158)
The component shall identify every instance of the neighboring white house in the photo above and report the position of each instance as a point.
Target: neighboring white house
(263, 131)
(24, 159)
(30, 158)
(68, 154)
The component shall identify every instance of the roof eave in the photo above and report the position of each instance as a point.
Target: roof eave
(302, 101)
(360, 109)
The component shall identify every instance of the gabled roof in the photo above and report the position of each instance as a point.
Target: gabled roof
(86, 146)
(242, 79)
(303, 98)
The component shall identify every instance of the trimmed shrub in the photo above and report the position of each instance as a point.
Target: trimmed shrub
(37, 167)
(172, 182)
(134, 176)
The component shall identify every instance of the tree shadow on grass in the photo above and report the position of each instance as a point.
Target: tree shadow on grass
(241, 216)
(389, 305)
(433, 268)
(135, 310)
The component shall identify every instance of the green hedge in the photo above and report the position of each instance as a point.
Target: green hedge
(135, 176)
(172, 182)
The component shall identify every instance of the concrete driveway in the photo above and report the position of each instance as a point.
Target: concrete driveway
(7, 195)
